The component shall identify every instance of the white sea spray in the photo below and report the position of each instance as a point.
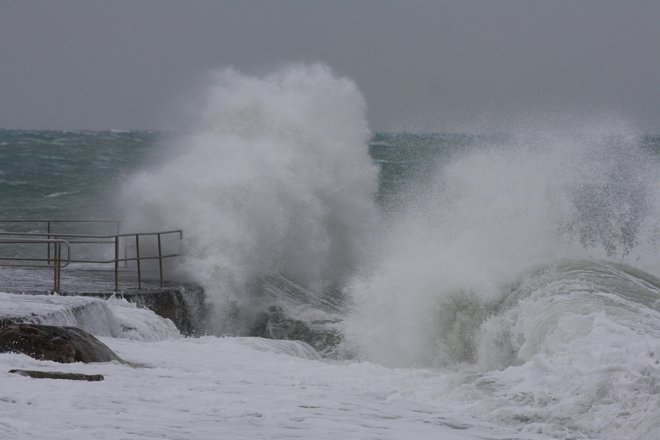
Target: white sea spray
(275, 178)
(503, 273)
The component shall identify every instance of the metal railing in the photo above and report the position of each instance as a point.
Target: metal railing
(54, 241)
(49, 223)
(56, 259)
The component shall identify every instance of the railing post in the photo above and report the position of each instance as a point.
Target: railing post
(54, 268)
(116, 263)
(59, 265)
(117, 229)
(48, 230)
(137, 260)
(160, 261)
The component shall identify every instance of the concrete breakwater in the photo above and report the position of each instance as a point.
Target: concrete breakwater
(182, 303)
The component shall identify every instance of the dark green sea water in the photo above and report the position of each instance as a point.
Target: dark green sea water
(76, 174)
(66, 174)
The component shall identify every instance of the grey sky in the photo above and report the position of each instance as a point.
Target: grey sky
(427, 65)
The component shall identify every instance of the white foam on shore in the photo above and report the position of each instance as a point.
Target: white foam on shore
(114, 317)
(235, 388)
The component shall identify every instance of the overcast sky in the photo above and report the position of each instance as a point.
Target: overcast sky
(421, 65)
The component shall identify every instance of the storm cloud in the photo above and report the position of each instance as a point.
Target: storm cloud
(422, 65)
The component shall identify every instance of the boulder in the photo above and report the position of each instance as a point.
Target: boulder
(59, 344)
(275, 324)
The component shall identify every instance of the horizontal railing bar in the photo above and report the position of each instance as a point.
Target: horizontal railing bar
(24, 259)
(120, 260)
(90, 242)
(42, 266)
(143, 234)
(39, 241)
(27, 240)
(57, 221)
(90, 261)
(46, 240)
(54, 234)
(155, 257)
(147, 258)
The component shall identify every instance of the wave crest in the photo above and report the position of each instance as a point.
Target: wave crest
(275, 178)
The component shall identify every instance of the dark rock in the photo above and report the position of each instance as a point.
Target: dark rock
(58, 375)
(274, 324)
(59, 344)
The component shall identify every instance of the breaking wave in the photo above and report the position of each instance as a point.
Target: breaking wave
(515, 271)
(276, 178)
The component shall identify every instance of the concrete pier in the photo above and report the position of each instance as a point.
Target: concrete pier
(181, 302)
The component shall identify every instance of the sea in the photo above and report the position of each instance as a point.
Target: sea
(466, 285)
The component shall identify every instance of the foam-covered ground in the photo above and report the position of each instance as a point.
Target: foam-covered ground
(237, 388)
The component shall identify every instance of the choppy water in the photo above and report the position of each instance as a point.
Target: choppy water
(66, 174)
(520, 268)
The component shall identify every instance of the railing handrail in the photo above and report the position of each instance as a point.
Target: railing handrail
(56, 239)
(102, 237)
(59, 220)
(36, 241)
